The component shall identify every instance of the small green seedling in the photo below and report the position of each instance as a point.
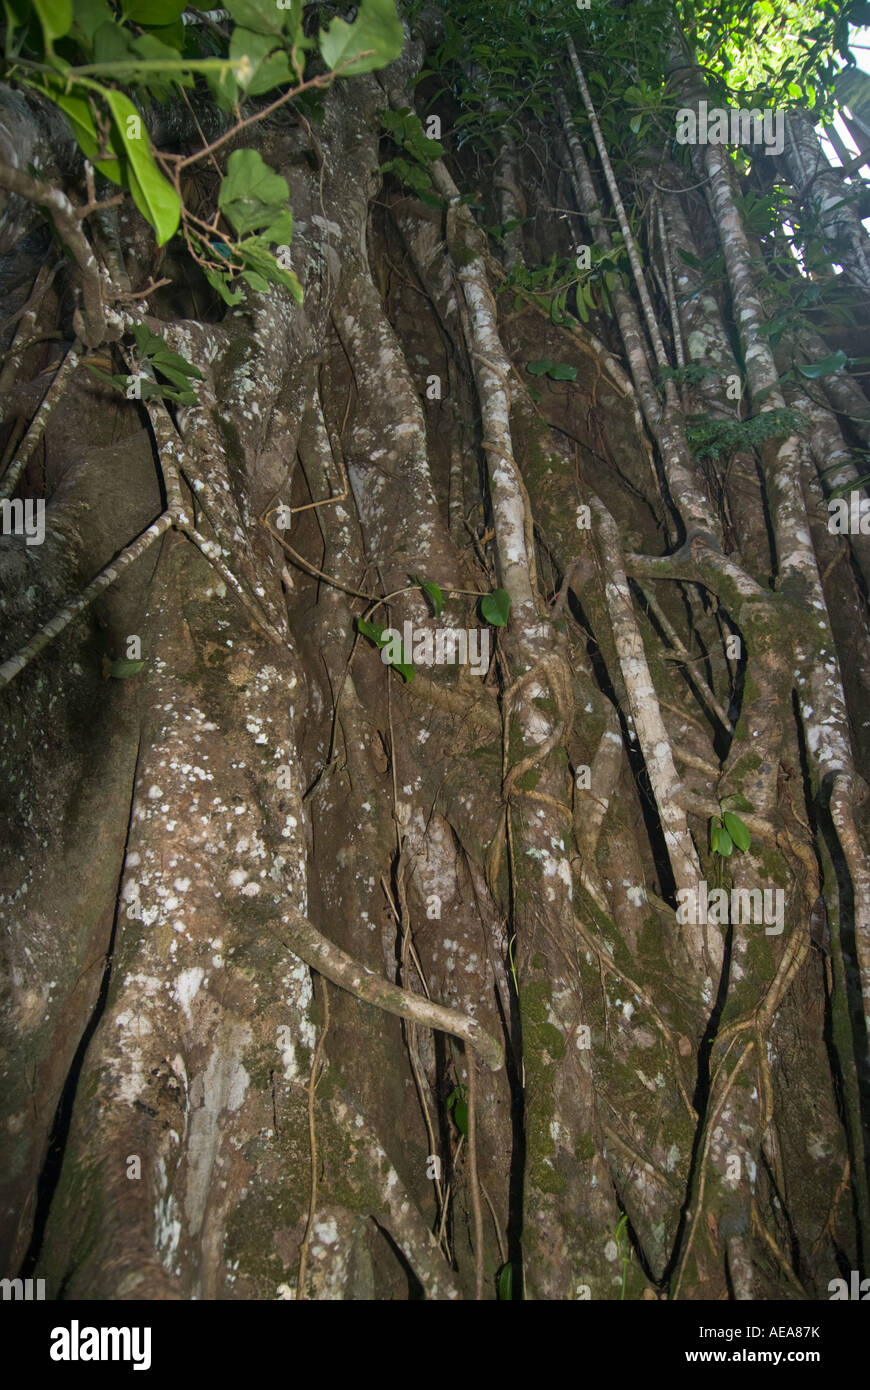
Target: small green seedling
(433, 592)
(727, 832)
(375, 633)
(495, 607)
(457, 1105)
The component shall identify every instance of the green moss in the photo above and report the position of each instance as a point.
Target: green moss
(585, 1149)
(229, 434)
(547, 1179)
(463, 255)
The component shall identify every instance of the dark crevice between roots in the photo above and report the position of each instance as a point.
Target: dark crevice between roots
(52, 1166)
(649, 810)
(700, 1101)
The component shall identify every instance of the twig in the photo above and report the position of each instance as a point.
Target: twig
(310, 945)
(64, 616)
(63, 214)
(40, 420)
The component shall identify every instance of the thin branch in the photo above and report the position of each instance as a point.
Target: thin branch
(310, 945)
(40, 420)
(65, 218)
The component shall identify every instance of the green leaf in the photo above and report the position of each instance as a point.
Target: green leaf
(432, 592)
(405, 670)
(120, 383)
(834, 363)
(153, 12)
(505, 1281)
(737, 830)
(495, 607)
(737, 801)
(161, 85)
(220, 281)
(157, 351)
(153, 195)
(377, 27)
(111, 43)
(175, 38)
(89, 15)
(56, 17)
(556, 371)
(267, 67)
(262, 16)
(80, 115)
(374, 631)
(122, 669)
(257, 256)
(256, 282)
(251, 194)
(224, 88)
(720, 840)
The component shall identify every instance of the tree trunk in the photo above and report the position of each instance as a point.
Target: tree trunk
(328, 983)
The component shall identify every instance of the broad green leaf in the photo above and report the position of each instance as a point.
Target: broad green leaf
(122, 669)
(146, 341)
(405, 670)
(274, 72)
(267, 69)
(174, 36)
(153, 195)
(55, 16)
(432, 592)
(263, 16)
(720, 840)
(737, 801)
(292, 14)
(224, 88)
(221, 283)
(251, 194)
(168, 393)
(834, 363)
(153, 11)
(88, 15)
(256, 282)
(281, 230)
(737, 830)
(111, 43)
(80, 114)
(539, 368)
(168, 361)
(505, 1283)
(377, 31)
(495, 607)
(258, 257)
(562, 371)
(373, 631)
(120, 383)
